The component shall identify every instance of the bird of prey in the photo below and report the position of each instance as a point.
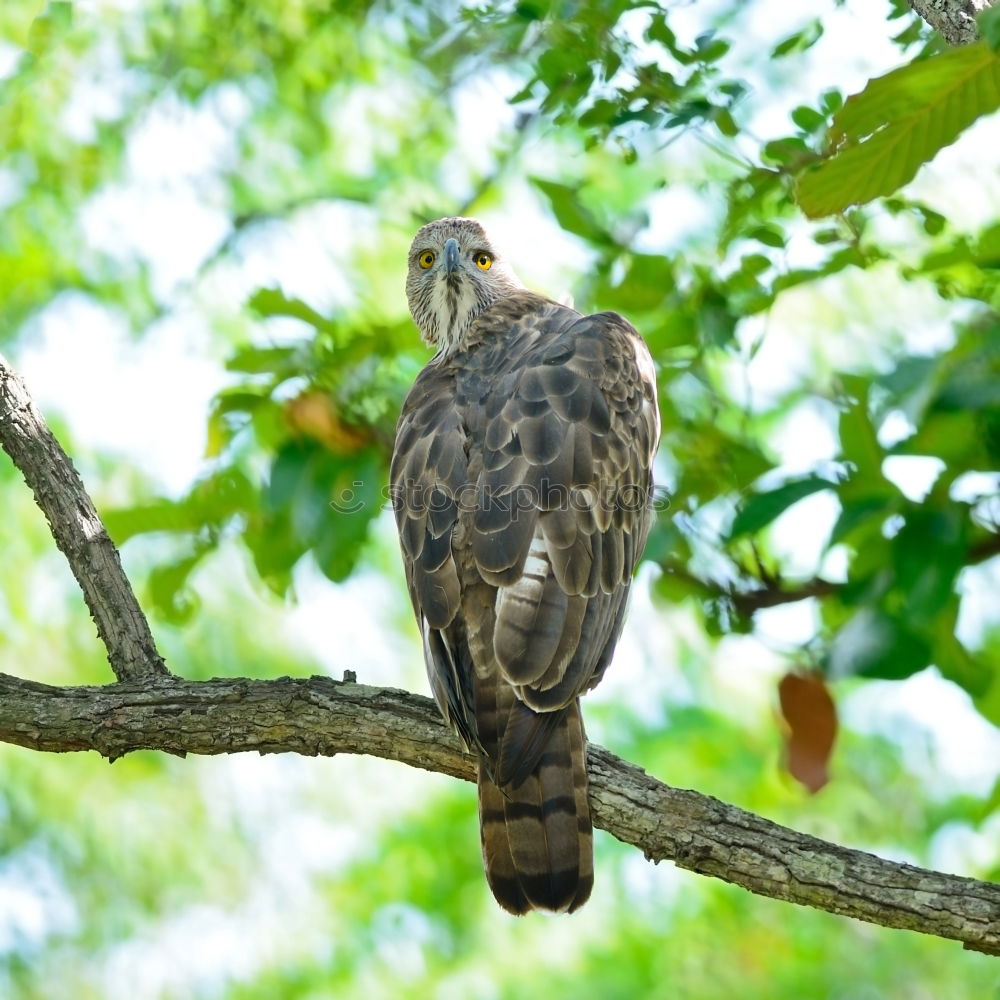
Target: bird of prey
(521, 484)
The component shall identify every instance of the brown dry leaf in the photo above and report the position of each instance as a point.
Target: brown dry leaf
(811, 727)
(314, 415)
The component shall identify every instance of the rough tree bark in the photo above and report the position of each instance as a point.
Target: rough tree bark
(954, 19)
(151, 709)
(78, 531)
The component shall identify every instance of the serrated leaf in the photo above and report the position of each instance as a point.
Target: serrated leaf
(883, 135)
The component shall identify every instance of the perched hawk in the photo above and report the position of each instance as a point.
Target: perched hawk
(521, 485)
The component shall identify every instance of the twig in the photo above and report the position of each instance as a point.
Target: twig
(318, 715)
(774, 591)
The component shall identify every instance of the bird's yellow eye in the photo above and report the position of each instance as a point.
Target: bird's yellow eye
(426, 259)
(484, 261)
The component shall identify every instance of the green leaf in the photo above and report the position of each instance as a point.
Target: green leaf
(744, 462)
(802, 40)
(529, 11)
(357, 500)
(659, 31)
(831, 100)
(709, 48)
(169, 590)
(569, 212)
(952, 437)
(287, 472)
(988, 247)
(928, 553)
(646, 285)
(273, 302)
(959, 665)
(770, 236)
(755, 263)
(725, 123)
(715, 320)
(791, 152)
(762, 508)
(856, 514)
(873, 644)
(988, 703)
(808, 119)
(319, 501)
(897, 123)
(158, 515)
(253, 360)
(858, 440)
(49, 26)
(988, 23)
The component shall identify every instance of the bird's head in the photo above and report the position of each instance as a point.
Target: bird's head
(454, 273)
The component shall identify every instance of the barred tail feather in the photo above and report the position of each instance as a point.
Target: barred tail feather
(536, 834)
(497, 859)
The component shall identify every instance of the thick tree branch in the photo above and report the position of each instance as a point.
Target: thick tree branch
(78, 532)
(321, 716)
(954, 19)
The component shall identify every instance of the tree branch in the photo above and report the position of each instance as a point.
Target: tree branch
(318, 715)
(954, 19)
(771, 595)
(78, 532)
(773, 592)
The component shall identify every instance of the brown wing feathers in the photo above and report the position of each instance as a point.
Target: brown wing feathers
(508, 475)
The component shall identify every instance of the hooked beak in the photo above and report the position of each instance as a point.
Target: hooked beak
(451, 259)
